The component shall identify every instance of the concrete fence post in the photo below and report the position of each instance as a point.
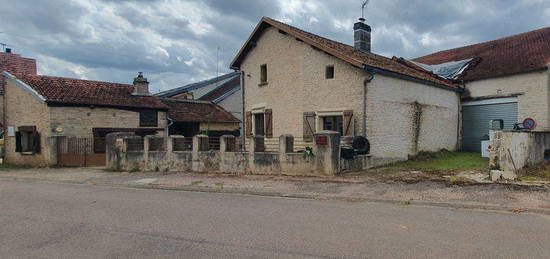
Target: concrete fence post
(227, 144)
(326, 149)
(286, 145)
(146, 145)
(200, 144)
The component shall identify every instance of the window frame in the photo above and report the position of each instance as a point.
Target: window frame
(329, 72)
(28, 142)
(146, 118)
(263, 74)
(336, 120)
(255, 115)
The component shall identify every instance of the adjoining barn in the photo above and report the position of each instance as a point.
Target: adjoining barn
(507, 81)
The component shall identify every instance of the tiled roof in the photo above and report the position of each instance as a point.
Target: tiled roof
(520, 53)
(70, 91)
(197, 111)
(223, 90)
(344, 52)
(184, 89)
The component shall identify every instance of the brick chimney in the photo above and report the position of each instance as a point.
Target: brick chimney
(15, 64)
(141, 85)
(361, 36)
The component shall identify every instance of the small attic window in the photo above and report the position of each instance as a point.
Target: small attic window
(329, 72)
(263, 73)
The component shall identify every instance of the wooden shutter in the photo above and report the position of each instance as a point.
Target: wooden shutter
(248, 122)
(309, 125)
(348, 121)
(36, 142)
(18, 147)
(268, 115)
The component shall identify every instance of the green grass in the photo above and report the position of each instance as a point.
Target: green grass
(445, 161)
(540, 172)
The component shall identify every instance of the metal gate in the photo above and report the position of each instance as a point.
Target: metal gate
(81, 152)
(476, 117)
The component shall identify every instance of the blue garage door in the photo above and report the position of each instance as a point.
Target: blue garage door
(476, 118)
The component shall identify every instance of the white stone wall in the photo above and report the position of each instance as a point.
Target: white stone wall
(297, 84)
(391, 111)
(534, 98)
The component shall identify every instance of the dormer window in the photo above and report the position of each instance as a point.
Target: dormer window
(329, 72)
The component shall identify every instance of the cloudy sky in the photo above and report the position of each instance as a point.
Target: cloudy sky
(176, 42)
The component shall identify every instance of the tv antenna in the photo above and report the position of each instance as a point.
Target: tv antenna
(365, 2)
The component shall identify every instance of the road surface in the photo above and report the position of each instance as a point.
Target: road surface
(40, 219)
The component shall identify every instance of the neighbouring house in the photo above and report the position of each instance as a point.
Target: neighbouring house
(40, 110)
(507, 80)
(192, 117)
(224, 90)
(299, 83)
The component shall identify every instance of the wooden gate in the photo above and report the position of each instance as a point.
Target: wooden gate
(81, 152)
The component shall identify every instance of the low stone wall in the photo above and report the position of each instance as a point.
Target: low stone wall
(129, 153)
(514, 150)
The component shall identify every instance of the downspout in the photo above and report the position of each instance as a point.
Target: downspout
(368, 79)
(243, 128)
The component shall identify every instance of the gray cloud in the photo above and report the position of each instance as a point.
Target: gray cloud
(175, 42)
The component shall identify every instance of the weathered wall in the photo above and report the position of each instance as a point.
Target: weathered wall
(514, 150)
(79, 121)
(297, 84)
(325, 162)
(24, 109)
(533, 90)
(404, 117)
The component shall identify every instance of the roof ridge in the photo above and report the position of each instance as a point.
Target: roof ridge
(342, 51)
(509, 37)
(77, 79)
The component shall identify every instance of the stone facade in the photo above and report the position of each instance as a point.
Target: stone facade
(79, 121)
(296, 84)
(532, 90)
(24, 109)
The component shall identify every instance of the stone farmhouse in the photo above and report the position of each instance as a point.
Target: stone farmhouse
(42, 113)
(299, 83)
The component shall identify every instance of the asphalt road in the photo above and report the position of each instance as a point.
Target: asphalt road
(39, 219)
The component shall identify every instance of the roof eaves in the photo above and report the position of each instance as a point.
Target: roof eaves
(193, 86)
(227, 94)
(412, 79)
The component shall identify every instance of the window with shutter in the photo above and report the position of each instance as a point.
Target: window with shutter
(27, 140)
(309, 126)
(268, 116)
(148, 118)
(248, 122)
(348, 123)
